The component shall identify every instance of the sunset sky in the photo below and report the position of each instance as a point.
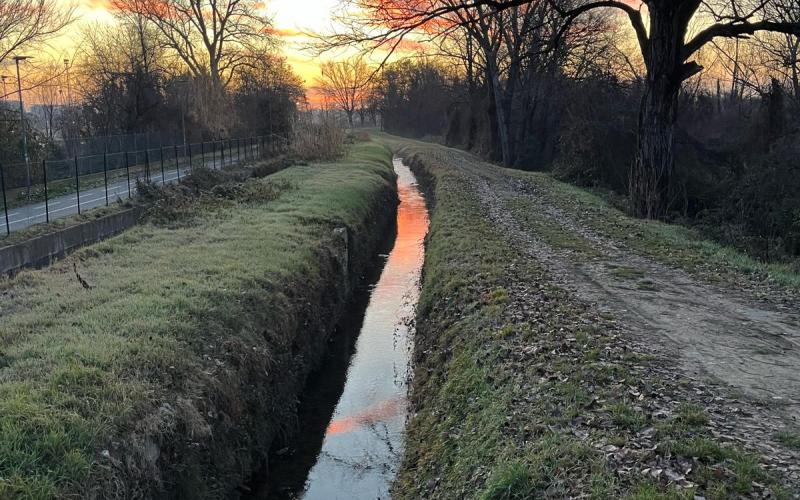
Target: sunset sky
(290, 17)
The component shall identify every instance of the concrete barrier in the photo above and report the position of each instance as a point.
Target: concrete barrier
(42, 250)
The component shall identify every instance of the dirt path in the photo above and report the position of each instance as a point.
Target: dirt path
(718, 335)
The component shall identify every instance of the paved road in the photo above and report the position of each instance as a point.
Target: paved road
(63, 206)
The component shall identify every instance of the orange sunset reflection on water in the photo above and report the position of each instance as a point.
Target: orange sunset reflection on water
(362, 442)
(381, 411)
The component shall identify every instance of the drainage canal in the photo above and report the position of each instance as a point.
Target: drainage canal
(353, 411)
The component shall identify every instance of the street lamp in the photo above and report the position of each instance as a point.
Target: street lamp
(70, 116)
(17, 59)
(69, 88)
(5, 93)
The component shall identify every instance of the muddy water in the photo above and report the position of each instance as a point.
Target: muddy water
(353, 414)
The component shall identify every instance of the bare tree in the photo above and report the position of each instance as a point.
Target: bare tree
(49, 95)
(667, 47)
(780, 52)
(123, 75)
(266, 96)
(213, 38)
(345, 83)
(24, 23)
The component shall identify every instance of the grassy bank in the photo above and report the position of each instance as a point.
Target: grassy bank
(164, 360)
(522, 391)
(669, 243)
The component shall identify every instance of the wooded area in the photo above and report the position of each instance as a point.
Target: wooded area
(688, 108)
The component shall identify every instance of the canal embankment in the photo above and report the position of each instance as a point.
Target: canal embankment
(163, 362)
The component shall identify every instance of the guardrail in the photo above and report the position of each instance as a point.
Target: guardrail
(69, 186)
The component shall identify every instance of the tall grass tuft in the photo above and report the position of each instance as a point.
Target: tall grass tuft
(317, 137)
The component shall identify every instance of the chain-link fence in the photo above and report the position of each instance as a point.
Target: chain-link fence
(59, 188)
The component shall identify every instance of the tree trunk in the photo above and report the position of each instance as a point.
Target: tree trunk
(652, 171)
(795, 75)
(500, 114)
(472, 122)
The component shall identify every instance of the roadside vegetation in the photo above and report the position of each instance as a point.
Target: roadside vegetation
(521, 390)
(167, 358)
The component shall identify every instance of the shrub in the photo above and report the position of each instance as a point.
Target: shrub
(317, 138)
(271, 166)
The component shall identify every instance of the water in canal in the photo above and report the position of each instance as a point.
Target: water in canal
(353, 414)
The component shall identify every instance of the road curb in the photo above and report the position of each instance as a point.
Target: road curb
(42, 250)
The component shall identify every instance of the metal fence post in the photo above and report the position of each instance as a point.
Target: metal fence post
(163, 177)
(191, 166)
(5, 202)
(238, 149)
(128, 173)
(46, 197)
(177, 163)
(77, 186)
(202, 155)
(222, 153)
(105, 173)
(147, 165)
